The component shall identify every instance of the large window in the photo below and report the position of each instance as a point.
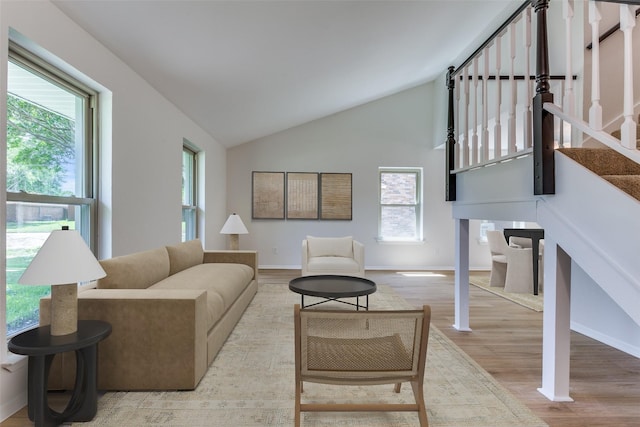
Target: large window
(189, 192)
(50, 175)
(400, 213)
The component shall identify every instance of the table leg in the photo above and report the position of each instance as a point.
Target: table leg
(38, 403)
(535, 252)
(84, 402)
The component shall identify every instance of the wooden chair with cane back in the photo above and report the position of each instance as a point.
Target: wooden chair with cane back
(361, 348)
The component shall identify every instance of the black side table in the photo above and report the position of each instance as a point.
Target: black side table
(41, 346)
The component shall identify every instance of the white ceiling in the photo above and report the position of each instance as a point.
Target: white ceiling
(246, 69)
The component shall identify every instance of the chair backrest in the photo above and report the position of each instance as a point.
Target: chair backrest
(497, 243)
(361, 347)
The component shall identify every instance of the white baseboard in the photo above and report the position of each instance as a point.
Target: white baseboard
(606, 339)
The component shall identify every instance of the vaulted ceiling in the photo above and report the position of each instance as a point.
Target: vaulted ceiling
(243, 69)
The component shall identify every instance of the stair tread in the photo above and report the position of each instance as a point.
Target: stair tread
(602, 161)
(630, 184)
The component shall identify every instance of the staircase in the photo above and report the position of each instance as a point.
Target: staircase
(612, 166)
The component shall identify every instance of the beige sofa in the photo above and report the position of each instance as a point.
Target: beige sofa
(171, 310)
(332, 255)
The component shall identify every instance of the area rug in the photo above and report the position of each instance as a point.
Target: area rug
(251, 382)
(533, 302)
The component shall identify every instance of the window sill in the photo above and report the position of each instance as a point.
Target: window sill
(14, 362)
(399, 242)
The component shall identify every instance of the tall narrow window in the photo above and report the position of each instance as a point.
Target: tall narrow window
(400, 213)
(189, 191)
(50, 145)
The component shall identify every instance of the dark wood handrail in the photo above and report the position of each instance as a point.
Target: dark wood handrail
(495, 34)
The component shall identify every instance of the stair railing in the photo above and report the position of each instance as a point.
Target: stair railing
(491, 108)
(492, 119)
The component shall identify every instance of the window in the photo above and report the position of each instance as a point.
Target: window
(189, 191)
(400, 214)
(50, 175)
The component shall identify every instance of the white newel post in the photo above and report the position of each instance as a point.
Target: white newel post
(628, 129)
(595, 111)
(556, 335)
(461, 286)
(568, 105)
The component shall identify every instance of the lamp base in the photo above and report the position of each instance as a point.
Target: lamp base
(234, 242)
(64, 309)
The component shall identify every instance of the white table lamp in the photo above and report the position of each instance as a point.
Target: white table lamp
(62, 262)
(233, 227)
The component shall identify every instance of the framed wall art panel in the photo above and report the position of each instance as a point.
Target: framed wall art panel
(302, 195)
(335, 196)
(268, 195)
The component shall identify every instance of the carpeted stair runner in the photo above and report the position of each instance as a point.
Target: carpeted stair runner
(619, 170)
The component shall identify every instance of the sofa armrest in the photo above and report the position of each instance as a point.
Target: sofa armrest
(158, 339)
(305, 258)
(358, 254)
(249, 258)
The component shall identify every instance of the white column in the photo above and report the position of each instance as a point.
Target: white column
(628, 129)
(595, 111)
(556, 333)
(461, 286)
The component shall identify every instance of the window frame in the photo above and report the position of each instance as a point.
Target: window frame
(86, 197)
(190, 211)
(418, 205)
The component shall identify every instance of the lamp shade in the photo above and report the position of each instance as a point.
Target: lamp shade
(64, 258)
(234, 225)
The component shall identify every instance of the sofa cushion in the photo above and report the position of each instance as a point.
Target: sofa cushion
(223, 283)
(136, 271)
(185, 255)
(332, 265)
(330, 246)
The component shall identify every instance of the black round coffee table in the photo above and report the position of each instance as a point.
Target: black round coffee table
(332, 287)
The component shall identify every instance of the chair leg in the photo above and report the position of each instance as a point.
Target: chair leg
(397, 387)
(419, 396)
(297, 405)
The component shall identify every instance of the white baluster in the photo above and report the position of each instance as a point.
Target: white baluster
(569, 98)
(595, 111)
(528, 112)
(497, 128)
(484, 156)
(476, 102)
(465, 146)
(511, 143)
(628, 129)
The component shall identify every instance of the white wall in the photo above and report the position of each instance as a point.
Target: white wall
(140, 157)
(393, 131)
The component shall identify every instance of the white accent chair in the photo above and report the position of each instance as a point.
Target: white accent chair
(341, 256)
(510, 267)
(525, 242)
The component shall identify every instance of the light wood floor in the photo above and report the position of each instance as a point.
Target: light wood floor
(507, 342)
